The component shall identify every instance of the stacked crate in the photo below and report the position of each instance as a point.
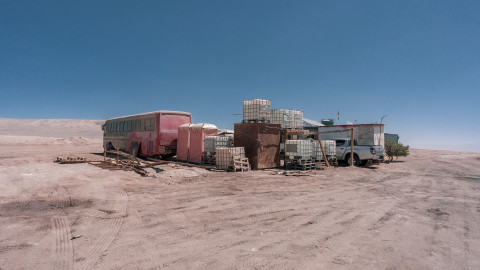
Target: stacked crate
(287, 118)
(299, 149)
(330, 148)
(297, 119)
(317, 150)
(214, 142)
(256, 110)
(300, 154)
(283, 117)
(231, 158)
(211, 144)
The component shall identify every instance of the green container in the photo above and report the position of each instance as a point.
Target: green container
(328, 122)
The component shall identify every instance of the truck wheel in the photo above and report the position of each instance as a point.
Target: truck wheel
(356, 160)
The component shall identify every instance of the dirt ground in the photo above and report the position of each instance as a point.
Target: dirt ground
(422, 212)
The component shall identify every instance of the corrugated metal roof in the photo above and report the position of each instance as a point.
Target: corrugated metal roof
(311, 123)
(354, 125)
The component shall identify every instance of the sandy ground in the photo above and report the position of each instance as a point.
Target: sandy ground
(420, 213)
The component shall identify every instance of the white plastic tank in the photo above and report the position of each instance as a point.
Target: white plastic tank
(284, 117)
(224, 157)
(297, 119)
(329, 146)
(256, 110)
(214, 142)
(299, 149)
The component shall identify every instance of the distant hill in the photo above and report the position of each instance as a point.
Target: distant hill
(57, 128)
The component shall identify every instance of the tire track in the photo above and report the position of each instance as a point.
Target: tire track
(63, 251)
(112, 229)
(60, 198)
(54, 229)
(151, 261)
(63, 243)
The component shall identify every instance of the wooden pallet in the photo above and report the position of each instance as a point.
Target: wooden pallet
(303, 164)
(241, 164)
(71, 160)
(333, 161)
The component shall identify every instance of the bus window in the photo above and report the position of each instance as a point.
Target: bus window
(124, 125)
(150, 124)
(137, 125)
(118, 126)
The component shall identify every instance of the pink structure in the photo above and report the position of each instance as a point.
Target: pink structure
(183, 142)
(197, 138)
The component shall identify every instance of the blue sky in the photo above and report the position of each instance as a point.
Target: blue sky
(416, 61)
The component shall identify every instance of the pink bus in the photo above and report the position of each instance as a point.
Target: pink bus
(147, 134)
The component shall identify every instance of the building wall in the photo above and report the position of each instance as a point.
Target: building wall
(365, 134)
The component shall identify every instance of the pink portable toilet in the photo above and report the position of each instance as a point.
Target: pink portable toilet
(197, 138)
(183, 142)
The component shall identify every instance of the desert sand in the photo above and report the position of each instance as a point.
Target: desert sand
(422, 212)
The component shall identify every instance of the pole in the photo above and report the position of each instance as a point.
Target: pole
(351, 148)
(381, 129)
(323, 152)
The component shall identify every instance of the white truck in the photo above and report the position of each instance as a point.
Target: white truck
(362, 154)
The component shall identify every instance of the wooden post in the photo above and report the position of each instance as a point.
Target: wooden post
(323, 152)
(351, 149)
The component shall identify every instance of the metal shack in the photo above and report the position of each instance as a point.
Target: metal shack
(365, 134)
(197, 140)
(183, 142)
(261, 142)
(392, 137)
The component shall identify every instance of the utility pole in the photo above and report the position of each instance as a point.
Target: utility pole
(381, 130)
(351, 149)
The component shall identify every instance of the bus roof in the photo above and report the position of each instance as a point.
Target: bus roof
(141, 114)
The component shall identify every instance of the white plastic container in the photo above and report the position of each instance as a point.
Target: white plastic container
(329, 147)
(299, 149)
(212, 143)
(317, 151)
(297, 119)
(224, 157)
(283, 117)
(287, 118)
(256, 110)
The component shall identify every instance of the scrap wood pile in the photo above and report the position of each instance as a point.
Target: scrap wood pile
(124, 161)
